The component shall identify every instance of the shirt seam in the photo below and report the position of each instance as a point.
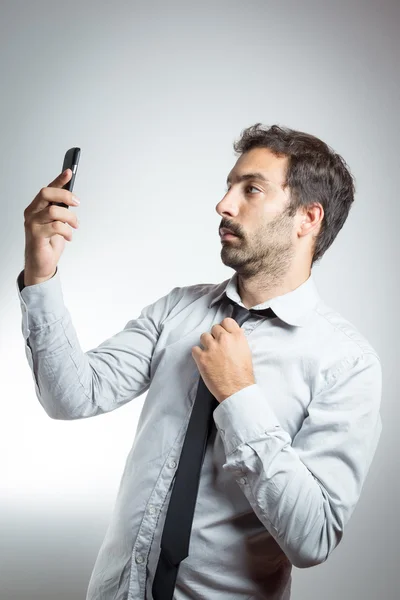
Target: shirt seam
(357, 343)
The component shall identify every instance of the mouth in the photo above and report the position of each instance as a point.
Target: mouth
(226, 234)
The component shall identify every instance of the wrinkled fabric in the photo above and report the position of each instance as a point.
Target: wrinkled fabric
(285, 463)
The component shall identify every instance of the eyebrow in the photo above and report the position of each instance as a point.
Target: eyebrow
(247, 176)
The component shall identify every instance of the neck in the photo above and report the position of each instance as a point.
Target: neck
(257, 290)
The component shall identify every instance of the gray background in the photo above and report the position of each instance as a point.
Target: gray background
(155, 93)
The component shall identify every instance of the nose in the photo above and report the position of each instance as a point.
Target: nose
(228, 206)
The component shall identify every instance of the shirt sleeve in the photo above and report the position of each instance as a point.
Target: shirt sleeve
(70, 383)
(304, 490)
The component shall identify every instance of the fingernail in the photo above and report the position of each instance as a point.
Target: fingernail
(75, 199)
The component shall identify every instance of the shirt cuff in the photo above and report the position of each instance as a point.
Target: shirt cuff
(245, 417)
(41, 303)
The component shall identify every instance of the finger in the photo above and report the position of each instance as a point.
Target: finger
(57, 213)
(196, 352)
(48, 195)
(230, 324)
(217, 330)
(48, 230)
(61, 179)
(206, 339)
(51, 194)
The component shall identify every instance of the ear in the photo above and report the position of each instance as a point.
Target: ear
(311, 217)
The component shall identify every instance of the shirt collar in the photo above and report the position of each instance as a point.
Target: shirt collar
(295, 307)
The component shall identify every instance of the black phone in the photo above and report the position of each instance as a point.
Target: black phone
(71, 161)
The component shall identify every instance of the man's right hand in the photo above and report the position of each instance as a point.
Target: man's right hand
(47, 226)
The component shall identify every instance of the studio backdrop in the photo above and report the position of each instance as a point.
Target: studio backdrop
(155, 94)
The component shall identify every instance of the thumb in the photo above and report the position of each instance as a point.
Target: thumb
(61, 179)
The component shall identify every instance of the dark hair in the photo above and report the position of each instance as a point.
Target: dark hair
(315, 173)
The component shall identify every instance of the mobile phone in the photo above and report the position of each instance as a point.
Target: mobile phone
(71, 161)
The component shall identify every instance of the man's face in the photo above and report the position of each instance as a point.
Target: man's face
(255, 210)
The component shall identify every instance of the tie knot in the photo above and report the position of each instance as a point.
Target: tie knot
(241, 313)
(263, 312)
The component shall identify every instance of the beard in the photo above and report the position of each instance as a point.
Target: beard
(269, 252)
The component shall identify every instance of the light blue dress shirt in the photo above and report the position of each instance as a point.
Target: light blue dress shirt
(284, 466)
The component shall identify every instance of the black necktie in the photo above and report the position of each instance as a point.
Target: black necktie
(178, 522)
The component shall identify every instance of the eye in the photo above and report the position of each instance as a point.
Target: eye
(249, 187)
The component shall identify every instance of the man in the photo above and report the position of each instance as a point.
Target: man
(296, 421)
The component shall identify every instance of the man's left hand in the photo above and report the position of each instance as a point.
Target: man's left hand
(225, 364)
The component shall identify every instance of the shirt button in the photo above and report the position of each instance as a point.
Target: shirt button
(139, 558)
(242, 480)
(152, 510)
(172, 464)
